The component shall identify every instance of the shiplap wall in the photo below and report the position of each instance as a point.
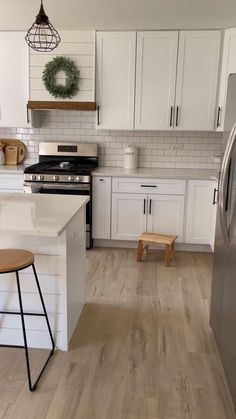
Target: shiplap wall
(79, 46)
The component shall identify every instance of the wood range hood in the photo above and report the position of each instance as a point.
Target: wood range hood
(50, 105)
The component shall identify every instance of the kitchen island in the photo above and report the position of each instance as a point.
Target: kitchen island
(53, 228)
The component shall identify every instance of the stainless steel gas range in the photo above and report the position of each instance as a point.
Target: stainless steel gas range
(64, 168)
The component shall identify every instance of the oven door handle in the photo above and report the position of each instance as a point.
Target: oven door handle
(37, 187)
(34, 187)
(62, 186)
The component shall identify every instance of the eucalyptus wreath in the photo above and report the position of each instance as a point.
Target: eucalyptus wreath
(50, 71)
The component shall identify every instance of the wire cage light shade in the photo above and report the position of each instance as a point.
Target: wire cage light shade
(42, 36)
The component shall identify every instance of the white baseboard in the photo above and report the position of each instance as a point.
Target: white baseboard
(133, 245)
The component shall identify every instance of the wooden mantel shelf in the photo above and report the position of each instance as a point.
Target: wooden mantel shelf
(76, 106)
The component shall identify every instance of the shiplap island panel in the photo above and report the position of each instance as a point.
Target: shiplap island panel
(53, 228)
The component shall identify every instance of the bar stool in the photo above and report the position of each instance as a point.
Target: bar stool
(14, 260)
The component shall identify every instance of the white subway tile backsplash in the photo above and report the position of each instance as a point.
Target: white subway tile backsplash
(155, 147)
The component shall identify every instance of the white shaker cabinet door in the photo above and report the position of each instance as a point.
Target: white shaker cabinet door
(166, 215)
(228, 67)
(201, 213)
(101, 204)
(197, 76)
(115, 79)
(155, 79)
(14, 79)
(129, 214)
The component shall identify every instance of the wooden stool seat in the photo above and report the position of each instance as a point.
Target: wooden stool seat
(159, 239)
(15, 260)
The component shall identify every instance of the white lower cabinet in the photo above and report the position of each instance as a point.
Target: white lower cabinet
(123, 208)
(134, 213)
(201, 213)
(166, 215)
(129, 213)
(101, 218)
(11, 183)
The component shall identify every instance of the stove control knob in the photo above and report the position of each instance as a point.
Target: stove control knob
(71, 178)
(79, 178)
(33, 177)
(56, 178)
(40, 177)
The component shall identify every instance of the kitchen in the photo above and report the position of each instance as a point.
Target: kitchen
(143, 347)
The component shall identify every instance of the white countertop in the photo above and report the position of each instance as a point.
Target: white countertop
(157, 173)
(12, 169)
(38, 214)
(139, 172)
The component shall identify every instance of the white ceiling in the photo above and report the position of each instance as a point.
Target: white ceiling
(121, 14)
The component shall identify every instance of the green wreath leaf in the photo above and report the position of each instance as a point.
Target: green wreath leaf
(71, 86)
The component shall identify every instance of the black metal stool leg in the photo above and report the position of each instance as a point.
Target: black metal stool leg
(44, 308)
(34, 386)
(24, 333)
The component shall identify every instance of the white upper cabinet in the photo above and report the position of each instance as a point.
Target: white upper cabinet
(228, 67)
(176, 77)
(14, 79)
(197, 77)
(155, 79)
(115, 79)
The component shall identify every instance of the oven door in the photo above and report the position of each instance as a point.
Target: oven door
(66, 189)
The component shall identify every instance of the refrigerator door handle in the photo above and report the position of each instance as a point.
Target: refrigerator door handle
(215, 196)
(223, 183)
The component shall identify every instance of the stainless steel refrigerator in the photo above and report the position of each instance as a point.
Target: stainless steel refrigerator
(223, 296)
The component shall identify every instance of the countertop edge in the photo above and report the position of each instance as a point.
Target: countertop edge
(12, 169)
(40, 230)
(161, 173)
(59, 233)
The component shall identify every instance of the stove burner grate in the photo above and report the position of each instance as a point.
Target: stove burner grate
(64, 164)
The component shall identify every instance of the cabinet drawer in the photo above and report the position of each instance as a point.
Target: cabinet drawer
(154, 186)
(9, 181)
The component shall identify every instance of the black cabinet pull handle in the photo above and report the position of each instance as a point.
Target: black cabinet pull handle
(101, 180)
(177, 116)
(98, 119)
(144, 206)
(218, 123)
(150, 206)
(27, 114)
(215, 196)
(148, 186)
(171, 115)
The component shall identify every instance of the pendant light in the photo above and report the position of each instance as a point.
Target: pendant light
(42, 36)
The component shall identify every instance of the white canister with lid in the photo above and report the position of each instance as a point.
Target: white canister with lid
(131, 157)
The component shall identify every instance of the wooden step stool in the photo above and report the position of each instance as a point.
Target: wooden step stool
(153, 238)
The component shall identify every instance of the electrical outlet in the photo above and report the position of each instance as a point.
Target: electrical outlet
(177, 147)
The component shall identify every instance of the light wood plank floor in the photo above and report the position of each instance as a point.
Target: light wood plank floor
(143, 348)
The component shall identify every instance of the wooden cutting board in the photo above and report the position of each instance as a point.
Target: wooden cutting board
(21, 149)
